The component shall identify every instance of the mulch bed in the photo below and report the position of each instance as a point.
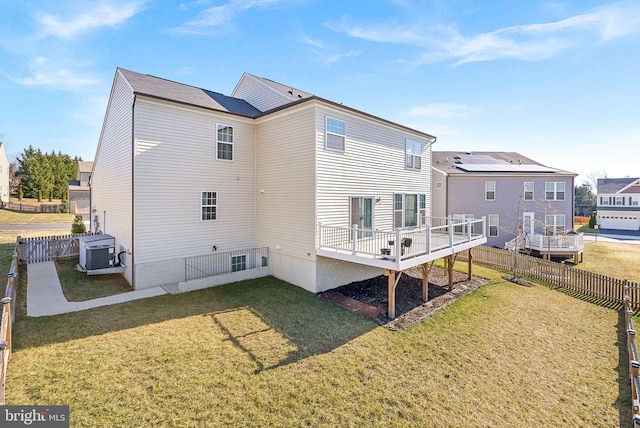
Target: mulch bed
(369, 298)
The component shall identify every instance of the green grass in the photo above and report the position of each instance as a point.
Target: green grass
(78, 286)
(20, 217)
(617, 260)
(265, 353)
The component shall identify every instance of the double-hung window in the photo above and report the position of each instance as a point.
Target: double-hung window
(528, 190)
(490, 190)
(554, 223)
(554, 191)
(494, 224)
(413, 154)
(209, 206)
(224, 139)
(335, 135)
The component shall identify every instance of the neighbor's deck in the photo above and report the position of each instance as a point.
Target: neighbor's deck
(553, 245)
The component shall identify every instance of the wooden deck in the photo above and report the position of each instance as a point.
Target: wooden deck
(395, 251)
(554, 245)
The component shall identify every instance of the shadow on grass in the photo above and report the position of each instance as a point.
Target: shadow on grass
(304, 324)
(624, 382)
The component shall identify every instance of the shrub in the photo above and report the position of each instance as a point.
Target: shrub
(20, 193)
(78, 226)
(592, 220)
(39, 195)
(64, 206)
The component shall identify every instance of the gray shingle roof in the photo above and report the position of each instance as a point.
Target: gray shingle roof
(156, 87)
(613, 185)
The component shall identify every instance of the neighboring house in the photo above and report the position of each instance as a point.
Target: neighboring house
(619, 203)
(78, 190)
(512, 191)
(5, 190)
(269, 180)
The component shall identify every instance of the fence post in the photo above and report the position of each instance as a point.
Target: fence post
(6, 308)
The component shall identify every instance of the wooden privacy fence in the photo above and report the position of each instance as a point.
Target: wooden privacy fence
(7, 318)
(589, 284)
(40, 208)
(33, 250)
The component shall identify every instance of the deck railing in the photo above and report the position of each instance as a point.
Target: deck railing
(548, 243)
(401, 244)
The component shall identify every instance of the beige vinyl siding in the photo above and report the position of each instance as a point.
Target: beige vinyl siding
(111, 191)
(372, 165)
(286, 171)
(259, 95)
(175, 161)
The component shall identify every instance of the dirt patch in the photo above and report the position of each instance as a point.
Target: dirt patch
(369, 298)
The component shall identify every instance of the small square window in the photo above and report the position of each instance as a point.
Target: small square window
(238, 263)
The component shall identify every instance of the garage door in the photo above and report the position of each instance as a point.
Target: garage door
(619, 222)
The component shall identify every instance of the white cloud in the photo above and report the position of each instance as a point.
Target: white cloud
(524, 42)
(220, 17)
(45, 73)
(104, 14)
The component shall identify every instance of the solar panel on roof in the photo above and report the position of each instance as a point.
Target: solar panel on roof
(503, 167)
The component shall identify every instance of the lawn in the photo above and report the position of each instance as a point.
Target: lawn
(265, 353)
(23, 217)
(612, 259)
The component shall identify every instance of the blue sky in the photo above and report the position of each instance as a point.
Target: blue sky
(557, 81)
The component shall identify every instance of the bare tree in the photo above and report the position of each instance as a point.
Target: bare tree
(593, 176)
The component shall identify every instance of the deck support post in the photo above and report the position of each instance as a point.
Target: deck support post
(449, 265)
(469, 264)
(392, 282)
(425, 282)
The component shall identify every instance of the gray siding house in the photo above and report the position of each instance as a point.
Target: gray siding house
(268, 181)
(619, 203)
(78, 190)
(517, 195)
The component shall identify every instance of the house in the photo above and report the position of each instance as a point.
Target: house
(78, 190)
(513, 192)
(619, 203)
(5, 190)
(268, 181)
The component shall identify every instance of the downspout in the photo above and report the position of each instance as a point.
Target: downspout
(133, 193)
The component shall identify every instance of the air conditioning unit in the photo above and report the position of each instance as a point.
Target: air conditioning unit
(97, 252)
(99, 257)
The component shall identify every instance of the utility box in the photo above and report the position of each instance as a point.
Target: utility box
(97, 252)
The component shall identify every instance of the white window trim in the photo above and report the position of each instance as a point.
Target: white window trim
(417, 154)
(216, 206)
(532, 191)
(555, 191)
(555, 224)
(486, 190)
(497, 225)
(232, 143)
(327, 133)
(233, 256)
